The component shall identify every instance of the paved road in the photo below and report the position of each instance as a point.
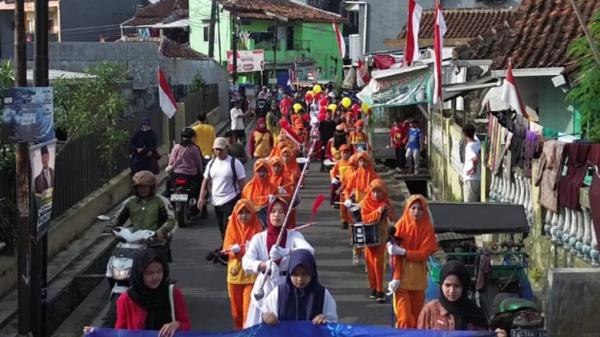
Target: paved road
(204, 284)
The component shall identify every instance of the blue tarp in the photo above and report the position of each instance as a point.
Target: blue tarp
(302, 329)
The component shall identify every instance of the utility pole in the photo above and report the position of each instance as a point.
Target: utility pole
(211, 29)
(39, 248)
(23, 186)
(275, 45)
(235, 42)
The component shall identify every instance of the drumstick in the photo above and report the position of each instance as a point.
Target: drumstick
(225, 251)
(304, 226)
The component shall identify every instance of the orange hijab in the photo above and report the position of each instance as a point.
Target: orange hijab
(370, 207)
(416, 235)
(258, 190)
(238, 232)
(282, 179)
(282, 142)
(362, 177)
(291, 167)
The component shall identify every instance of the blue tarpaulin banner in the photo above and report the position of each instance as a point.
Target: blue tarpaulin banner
(301, 329)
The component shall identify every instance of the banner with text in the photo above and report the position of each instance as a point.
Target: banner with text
(248, 61)
(301, 329)
(27, 115)
(42, 157)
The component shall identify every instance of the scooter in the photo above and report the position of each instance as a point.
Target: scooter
(517, 316)
(182, 199)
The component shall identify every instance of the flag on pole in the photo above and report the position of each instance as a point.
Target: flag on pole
(340, 40)
(510, 95)
(362, 74)
(165, 95)
(411, 50)
(439, 32)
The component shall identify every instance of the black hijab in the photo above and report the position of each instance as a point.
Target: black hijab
(464, 310)
(155, 301)
(301, 304)
(339, 139)
(145, 139)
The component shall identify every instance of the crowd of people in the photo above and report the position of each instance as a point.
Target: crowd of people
(271, 267)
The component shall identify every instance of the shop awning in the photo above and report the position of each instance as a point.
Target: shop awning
(399, 87)
(478, 218)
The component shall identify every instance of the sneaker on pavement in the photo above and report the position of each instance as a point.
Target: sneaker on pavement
(381, 297)
(345, 225)
(373, 295)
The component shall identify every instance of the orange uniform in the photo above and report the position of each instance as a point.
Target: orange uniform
(283, 180)
(291, 165)
(418, 238)
(239, 283)
(377, 212)
(359, 138)
(282, 142)
(360, 181)
(258, 189)
(345, 180)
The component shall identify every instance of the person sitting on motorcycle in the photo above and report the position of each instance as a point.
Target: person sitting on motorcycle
(186, 162)
(146, 209)
(152, 302)
(454, 310)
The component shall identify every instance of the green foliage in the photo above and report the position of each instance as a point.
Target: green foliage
(198, 84)
(7, 75)
(586, 93)
(94, 105)
(7, 151)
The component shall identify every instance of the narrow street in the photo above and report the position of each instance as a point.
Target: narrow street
(204, 284)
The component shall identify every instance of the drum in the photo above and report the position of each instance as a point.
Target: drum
(355, 211)
(365, 235)
(301, 162)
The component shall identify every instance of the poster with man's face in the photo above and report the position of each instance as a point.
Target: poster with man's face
(42, 158)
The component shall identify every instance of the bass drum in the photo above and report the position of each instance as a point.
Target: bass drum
(365, 235)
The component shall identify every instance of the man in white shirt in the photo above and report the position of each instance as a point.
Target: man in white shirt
(237, 121)
(471, 170)
(227, 178)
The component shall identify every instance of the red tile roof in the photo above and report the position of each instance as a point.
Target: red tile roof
(164, 11)
(539, 36)
(175, 50)
(294, 11)
(463, 23)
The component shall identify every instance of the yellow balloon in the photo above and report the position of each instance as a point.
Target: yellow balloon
(364, 107)
(316, 89)
(332, 107)
(310, 93)
(346, 102)
(297, 107)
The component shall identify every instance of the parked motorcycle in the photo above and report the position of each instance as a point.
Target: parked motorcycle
(182, 199)
(518, 316)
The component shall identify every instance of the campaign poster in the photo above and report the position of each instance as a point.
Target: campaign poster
(27, 115)
(42, 157)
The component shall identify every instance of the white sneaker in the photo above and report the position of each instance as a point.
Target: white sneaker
(355, 260)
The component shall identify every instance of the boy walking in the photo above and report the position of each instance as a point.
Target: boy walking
(413, 147)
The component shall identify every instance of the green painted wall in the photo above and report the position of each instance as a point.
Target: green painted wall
(555, 112)
(311, 40)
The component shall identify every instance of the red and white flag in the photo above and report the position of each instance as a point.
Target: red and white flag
(340, 40)
(362, 74)
(291, 134)
(411, 50)
(510, 95)
(165, 95)
(439, 30)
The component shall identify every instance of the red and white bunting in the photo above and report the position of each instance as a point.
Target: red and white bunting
(340, 40)
(165, 95)
(411, 50)
(439, 32)
(510, 94)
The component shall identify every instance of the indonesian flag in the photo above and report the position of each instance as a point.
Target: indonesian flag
(362, 74)
(510, 95)
(165, 95)
(411, 50)
(439, 30)
(340, 40)
(290, 133)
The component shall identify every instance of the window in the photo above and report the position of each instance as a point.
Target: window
(206, 33)
(290, 38)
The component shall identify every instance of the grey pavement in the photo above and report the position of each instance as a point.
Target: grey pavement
(204, 284)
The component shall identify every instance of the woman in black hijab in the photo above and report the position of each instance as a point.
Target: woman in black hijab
(302, 297)
(142, 148)
(152, 302)
(453, 310)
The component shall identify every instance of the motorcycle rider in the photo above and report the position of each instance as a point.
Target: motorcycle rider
(146, 209)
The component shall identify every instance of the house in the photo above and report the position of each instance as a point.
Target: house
(162, 18)
(292, 35)
(68, 20)
(380, 21)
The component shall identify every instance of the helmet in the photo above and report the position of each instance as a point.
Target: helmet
(144, 178)
(188, 133)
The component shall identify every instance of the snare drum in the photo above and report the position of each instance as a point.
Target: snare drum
(365, 235)
(355, 211)
(301, 162)
(328, 163)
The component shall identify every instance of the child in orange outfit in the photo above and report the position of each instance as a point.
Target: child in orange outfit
(243, 224)
(341, 167)
(418, 244)
(282, 142)
(280, 178)
(260, 188)
(376, 209)
(359, 138)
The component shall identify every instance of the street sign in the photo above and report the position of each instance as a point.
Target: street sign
(247, 61)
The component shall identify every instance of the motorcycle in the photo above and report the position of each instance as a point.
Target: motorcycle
(182, 199)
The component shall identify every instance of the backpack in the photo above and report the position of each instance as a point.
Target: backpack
(233, 171)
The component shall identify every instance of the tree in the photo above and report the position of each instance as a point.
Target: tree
(585, 95)
(93, 106)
